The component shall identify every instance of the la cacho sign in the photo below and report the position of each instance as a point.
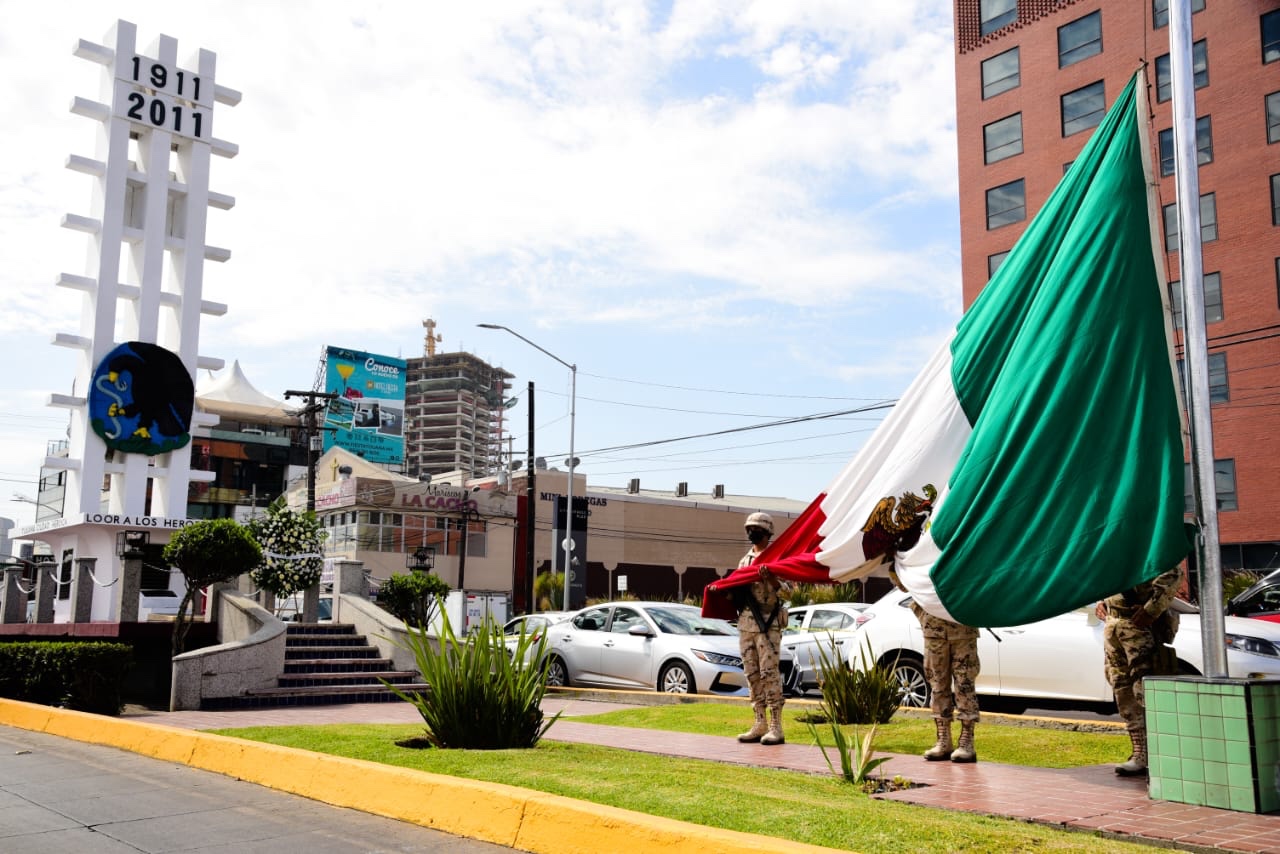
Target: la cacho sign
(446, 503)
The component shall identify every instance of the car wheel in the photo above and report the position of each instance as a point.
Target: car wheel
(915, 687)
(676, 678)
(557, 673)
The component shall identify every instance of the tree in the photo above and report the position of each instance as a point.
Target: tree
(412, 597)
(208, 552)
(292, 545)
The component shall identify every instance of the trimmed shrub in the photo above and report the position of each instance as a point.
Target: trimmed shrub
(412, 597)
(207, 552)
(85, 676)
(821, 594)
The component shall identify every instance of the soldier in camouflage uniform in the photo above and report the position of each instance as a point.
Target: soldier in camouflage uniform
(761, 615)
(951, 665)
(1138, 626)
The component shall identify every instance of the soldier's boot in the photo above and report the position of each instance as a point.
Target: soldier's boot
(1136, 764)
(774, 735)
(964, 751)
(758, 729)
(942, 749)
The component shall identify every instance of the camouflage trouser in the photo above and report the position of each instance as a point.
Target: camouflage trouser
(1130, 655)
(760, 660)
(951, 666)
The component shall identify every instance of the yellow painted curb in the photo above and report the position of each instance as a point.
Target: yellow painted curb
(493, 812)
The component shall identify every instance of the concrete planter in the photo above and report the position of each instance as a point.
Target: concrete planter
(1214, 742)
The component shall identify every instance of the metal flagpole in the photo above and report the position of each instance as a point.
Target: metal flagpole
(1195, 339)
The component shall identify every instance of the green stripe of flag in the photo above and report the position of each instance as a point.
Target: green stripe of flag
(1071, 485)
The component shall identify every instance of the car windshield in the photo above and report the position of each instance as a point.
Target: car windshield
(688, 621)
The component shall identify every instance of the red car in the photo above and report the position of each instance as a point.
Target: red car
(1261, 601)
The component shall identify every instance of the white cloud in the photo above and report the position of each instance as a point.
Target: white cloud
(575, 164)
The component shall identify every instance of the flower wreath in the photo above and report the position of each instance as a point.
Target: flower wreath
(292, 552)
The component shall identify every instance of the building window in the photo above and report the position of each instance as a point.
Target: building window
(1275, 199)
(1006, 204)
(1273, 117)
(1278, 281)
(1204, 145)
(1083, 108)
(1212, 286)
(995, 14)
(1208, 221)
(1199, 71)
(1002, 138)
(65, 576)
(1270, 37)
(1224, 477)
(994, 262)
(1218, 390)
(1000, 73)
(1080, 39)
(1160, 12)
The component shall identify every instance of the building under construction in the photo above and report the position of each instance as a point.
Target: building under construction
(453, 412)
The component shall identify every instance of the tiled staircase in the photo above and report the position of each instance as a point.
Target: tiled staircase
(326, 663)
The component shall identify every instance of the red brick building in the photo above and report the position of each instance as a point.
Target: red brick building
(1033, 77)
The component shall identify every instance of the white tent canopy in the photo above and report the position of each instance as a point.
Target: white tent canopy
(231, 395)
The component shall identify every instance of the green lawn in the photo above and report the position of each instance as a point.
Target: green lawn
(817, 809)
(1015, 745)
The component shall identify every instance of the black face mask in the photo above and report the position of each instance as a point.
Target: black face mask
(757, 536)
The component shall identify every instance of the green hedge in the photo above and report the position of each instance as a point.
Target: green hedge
(86, 676)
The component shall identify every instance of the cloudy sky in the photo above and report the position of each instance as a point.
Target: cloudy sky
(726, 214)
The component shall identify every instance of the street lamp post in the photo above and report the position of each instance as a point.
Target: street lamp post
(572, 461)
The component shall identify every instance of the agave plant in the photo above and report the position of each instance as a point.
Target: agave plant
(857, 759)
(480, 696)
(868, 695)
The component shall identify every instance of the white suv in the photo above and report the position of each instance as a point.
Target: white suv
(1059, 659)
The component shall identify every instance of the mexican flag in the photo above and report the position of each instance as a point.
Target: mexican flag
(1036, 463)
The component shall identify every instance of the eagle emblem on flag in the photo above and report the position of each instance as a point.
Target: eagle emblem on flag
(896, 523)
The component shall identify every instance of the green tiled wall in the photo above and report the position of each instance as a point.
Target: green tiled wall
(1214, 742)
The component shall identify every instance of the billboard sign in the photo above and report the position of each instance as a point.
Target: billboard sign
(367, 416)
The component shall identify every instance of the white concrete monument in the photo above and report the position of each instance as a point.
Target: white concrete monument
(132, 404)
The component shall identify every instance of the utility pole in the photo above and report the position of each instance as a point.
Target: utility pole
(531, 513)
(462, 554)
(317, 401)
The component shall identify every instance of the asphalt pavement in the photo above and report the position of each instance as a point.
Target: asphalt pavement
(59, 796)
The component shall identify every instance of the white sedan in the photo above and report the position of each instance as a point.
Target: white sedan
(660, 646)
(532, 627)
(830, 626)
(1060, 658)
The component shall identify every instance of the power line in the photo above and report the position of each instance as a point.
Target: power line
(780, 423)
(787, 441)
(725, 391)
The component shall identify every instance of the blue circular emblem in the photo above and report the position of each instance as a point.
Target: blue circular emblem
(141, 398)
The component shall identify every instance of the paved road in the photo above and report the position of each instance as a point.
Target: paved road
(59, 796)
